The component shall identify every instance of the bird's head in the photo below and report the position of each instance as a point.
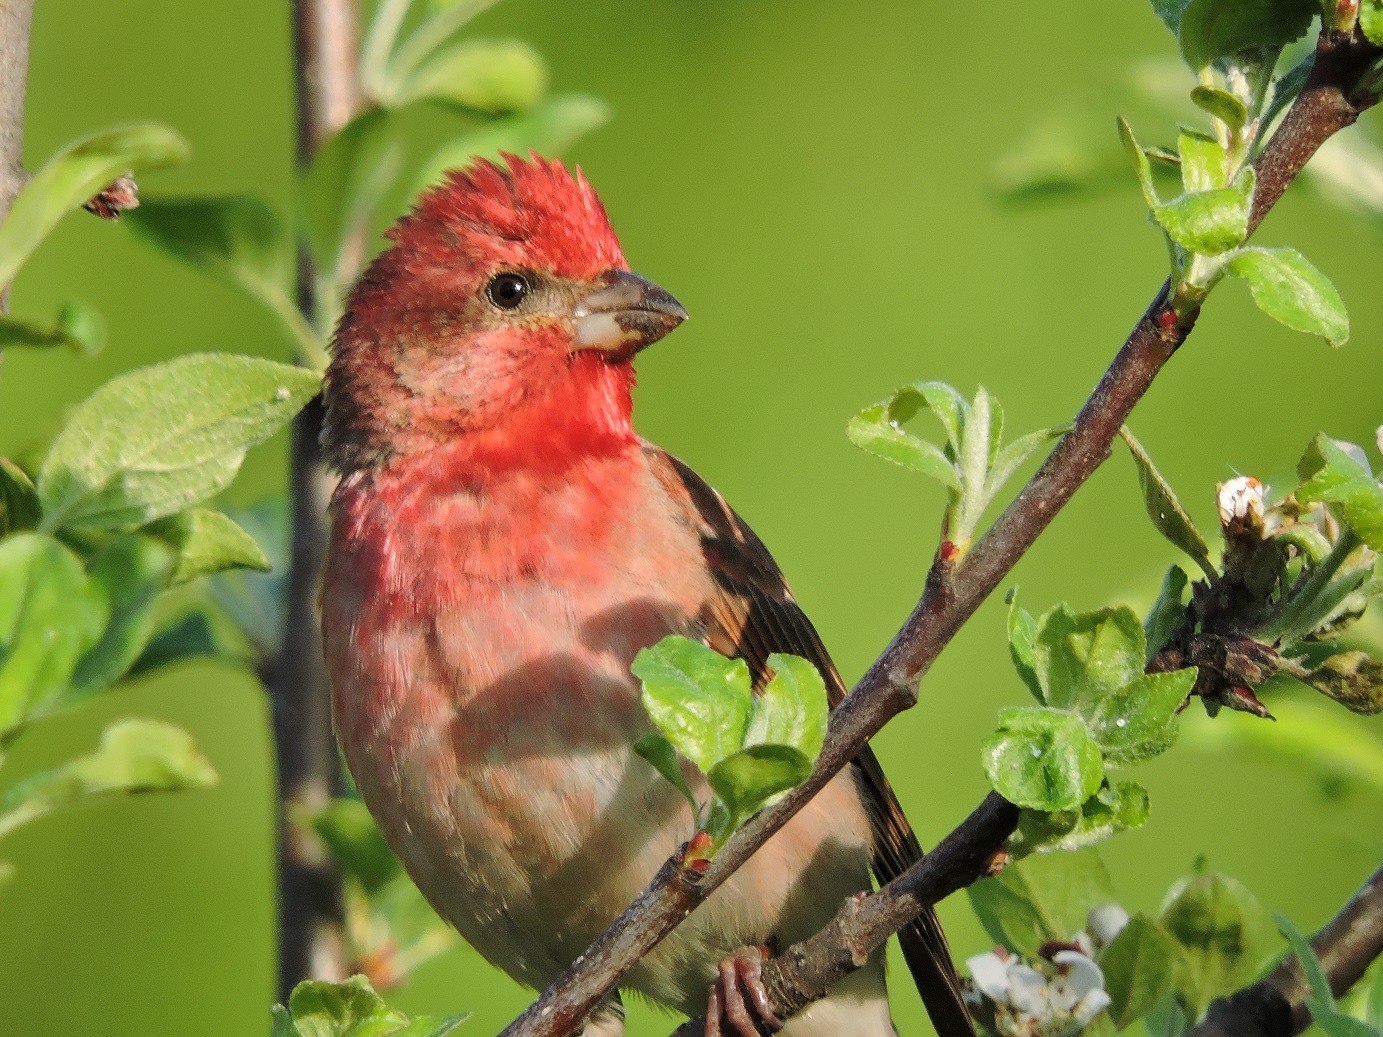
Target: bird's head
(503, 315)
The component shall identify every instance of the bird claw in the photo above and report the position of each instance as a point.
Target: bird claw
(738, 1005)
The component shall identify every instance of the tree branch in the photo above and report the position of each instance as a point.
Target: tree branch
(955, 590)
(15, 19)
(310, 913)
(1276, 1006)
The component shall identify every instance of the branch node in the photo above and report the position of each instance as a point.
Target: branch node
(121, 195)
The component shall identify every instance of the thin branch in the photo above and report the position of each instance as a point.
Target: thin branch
(310, 913)
(954, 591)
(15, 19)
(1276, 1006)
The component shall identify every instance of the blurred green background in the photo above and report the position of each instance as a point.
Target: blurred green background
(813, 181)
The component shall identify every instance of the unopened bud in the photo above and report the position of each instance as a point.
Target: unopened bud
(1241, 504)
(1106, 922)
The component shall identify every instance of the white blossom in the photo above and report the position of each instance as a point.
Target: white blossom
(1240, 501)
(1054, 998)
(1106, 922)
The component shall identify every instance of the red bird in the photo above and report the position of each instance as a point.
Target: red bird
(503, 543)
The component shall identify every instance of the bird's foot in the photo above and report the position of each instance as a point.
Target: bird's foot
(738, 1005)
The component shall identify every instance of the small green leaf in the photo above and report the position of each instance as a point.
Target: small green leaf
(1168, 612)
(1353, 679)
(1009, 459)
(1371, 21)
(71, 177)
(1140, 164)
(1222, 105)
(1138, 721)
(355, 842)
(78, 327)
(190, 636)
(658, 751)
(257, 601)
(1082, 657)
(1043, 759)
(1332, 476)
(1170, 12)
(875, 431)
(348, 177)
(1204, 162)
(1316, 981)
(135, 450)
(131, 572)
(698, 698)
(1114, 808)
(792, 708)
(494, 77)
(1293, 292)
(206, 542)
(19, 508)
(349, 1009)
(1223, 929)
(746, 780)
(1041, 899)
(1210, 222)
(1212, 29)
(548, 129)
(1141, 968)
(1165, 509)
(51, 614)
(1022, 633)
(133, 756)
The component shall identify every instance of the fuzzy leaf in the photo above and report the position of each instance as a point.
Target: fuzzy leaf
(78, 327)
(791, 710)
(1041, 899)
(1222, 928)
(876, 431)
(1164, 508)
(745, 781)
(51, 614)
(1204, 161)
(1213, 29)
(1209, 222)
(1293, 292)
(698, 698)
(135, 450)
(1353, 679)
(1114, 808)
(1168, 611)
(1043, 759)
(494, 77)
(1138, 721)
(1141, 967)
(1331, 475)
(71, 177)
(1022, 633)
(1222, 105)
(1007, 460)
(19, 508)
(1083, 657)
(1170, 12)
(1140, 164)
(349, 1009)
(658, 751)
(206, 542)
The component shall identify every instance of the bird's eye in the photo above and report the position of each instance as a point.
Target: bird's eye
(508, 290)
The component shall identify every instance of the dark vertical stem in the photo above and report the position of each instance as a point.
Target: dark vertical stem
(15, 17)
(325, 36)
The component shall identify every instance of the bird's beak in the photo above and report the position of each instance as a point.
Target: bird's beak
(623, 313)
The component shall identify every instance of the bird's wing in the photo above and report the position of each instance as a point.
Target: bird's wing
(754, 615)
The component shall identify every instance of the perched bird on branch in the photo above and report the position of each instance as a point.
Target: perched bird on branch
(503, 543)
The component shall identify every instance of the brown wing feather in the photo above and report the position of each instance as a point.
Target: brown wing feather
(753, 616)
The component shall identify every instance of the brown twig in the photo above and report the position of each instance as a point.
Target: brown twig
(952, 595)
(325, 38)
(1276, 1006)
(15, 18)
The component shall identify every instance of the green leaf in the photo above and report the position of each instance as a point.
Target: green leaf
(1209, 222)
(206, 542)
(746, 780)
(1170, 12)
(1212, 29)
(1316, 981)
(1114, 808)
(1223, 929)
(1041, 899)
(878, 431)
(348, 177)
(139, 448)
(494, 77)
(1371, 21)
(1204, 162)
(354, 841)
(1293, 292)
(698, 698)
(71, 177)
(1165, 509)
(1332, 476)
(131, 572)
(1353, 679)
(1222, 105)
(658, 751)
(78, 327)
(1168, 612)
(238, 239)
(1140, 164)
(190, 636)
(133, 756)
(51, 614)
(1008, 460)
(550, 128)
(1022, 635)
(791, 709)
(1138, 721)
(257, 601)
(1140, 967)
(349, 1009)
(1083, 657)
(1043, 759)
(19, 508)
